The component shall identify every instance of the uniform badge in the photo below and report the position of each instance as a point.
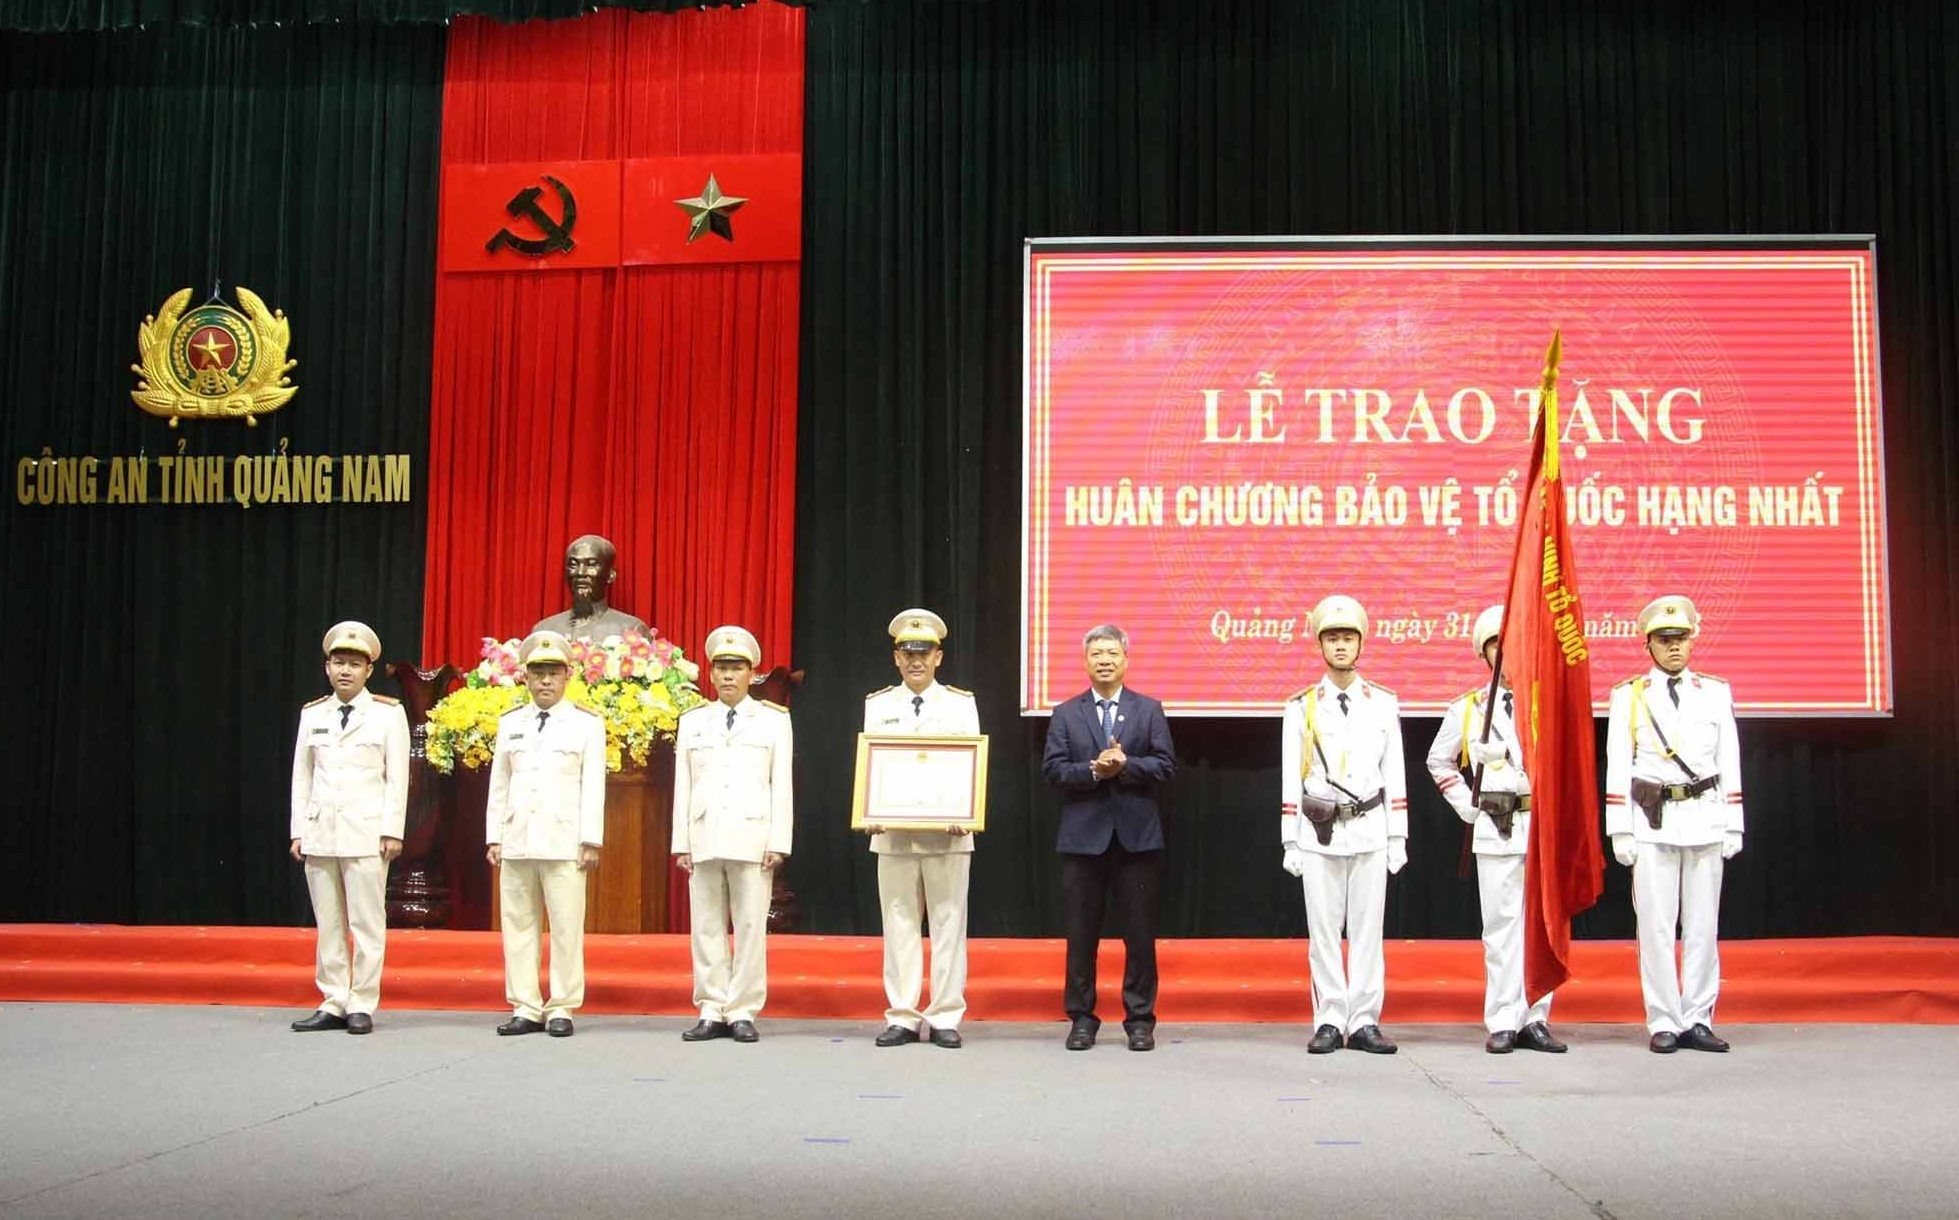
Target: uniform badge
(213, 362)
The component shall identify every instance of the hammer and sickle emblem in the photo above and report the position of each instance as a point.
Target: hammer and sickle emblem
(557, 235)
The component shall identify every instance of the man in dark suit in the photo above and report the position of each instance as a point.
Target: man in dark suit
(1107, 750)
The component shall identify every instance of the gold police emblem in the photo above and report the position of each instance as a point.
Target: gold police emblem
(213, 362)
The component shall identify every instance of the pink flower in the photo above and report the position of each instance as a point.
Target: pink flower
(626, 668)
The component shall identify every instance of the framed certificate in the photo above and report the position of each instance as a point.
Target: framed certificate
(919, 783)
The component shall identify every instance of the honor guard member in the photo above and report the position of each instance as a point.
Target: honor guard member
(1673, 811)
(731, 831)
(349, 804)
(1501, 817)
(1344, 821)
(922, 873)
(544, 824)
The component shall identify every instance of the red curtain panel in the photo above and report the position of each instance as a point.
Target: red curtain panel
(653, 404)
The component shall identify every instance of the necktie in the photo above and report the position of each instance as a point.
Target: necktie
(1108, 717)
(541, 718)
(1343, 703)
(918, 705)
(731, 720)
(1509, 707)
(346, 710)
(1673, 690)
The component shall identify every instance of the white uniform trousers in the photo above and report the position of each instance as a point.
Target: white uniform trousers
(911, 888)
(1680, 884)
(730, 987)
(531, 890)
(1500, 887)
(1349, 890)
(349, 894)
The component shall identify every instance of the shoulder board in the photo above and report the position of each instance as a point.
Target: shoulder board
(1712, 678)
(388, 700)
(881, 690)
(512, 711)
(1473, 695)
(1627, 681)
(702, 707)
(1384, 690)
(957, 690)
(1301, 693)
(777, 706)
(319, 701)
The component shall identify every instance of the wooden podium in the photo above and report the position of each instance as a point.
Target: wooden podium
(628, 890)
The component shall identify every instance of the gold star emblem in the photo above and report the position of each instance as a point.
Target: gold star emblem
(213, 351)
(710, 210)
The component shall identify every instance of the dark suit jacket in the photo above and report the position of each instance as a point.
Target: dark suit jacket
(1095, 812)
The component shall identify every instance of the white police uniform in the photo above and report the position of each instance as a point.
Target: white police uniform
(349, 791)
(923, 874)
(1499, 861)
(1657, 723)
(733, 803)
(1351, 738)
(547, 800)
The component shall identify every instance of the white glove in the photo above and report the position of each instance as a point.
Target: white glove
(1295, 861)
(1623, 851)
(1397, 854)
(1731, 845)
(1491, 754)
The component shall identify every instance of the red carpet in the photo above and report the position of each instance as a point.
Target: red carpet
(1865, 979)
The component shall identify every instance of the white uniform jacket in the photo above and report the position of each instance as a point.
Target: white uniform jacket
(350, 786)
(1448, 759)
(547, 787)
(732, 794)
(1702, 733)
(945, 711)
(1360, 749)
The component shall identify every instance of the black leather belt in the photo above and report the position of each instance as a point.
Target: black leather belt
(1687, 792)
(1351, 809)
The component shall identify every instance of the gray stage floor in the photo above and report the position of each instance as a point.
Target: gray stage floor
(172, 1111)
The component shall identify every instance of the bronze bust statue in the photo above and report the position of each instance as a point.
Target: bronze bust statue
(590, 568)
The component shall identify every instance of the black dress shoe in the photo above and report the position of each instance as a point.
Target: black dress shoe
(519, 1025)
(1537, 1037)
(1369, 1038)
(1081, 1035)
(706, 1031)
(744, 1031)
(1701, 1038)
(558, 1027)
(1141, 1039)
(319, 1021)
(1502, 1042)
(948, 1038)
(360, 1023)
(1325, 1041)
(1663, 1043)
(897, 1035)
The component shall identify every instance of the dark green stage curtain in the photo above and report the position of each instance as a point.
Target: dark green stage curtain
(940, 136)
(70, 16)
(164, 649)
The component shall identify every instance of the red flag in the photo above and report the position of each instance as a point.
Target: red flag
(1549, 665)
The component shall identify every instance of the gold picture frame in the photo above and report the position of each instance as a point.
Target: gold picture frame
(919, 783)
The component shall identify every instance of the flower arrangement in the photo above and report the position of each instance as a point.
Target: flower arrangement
(639, 684)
